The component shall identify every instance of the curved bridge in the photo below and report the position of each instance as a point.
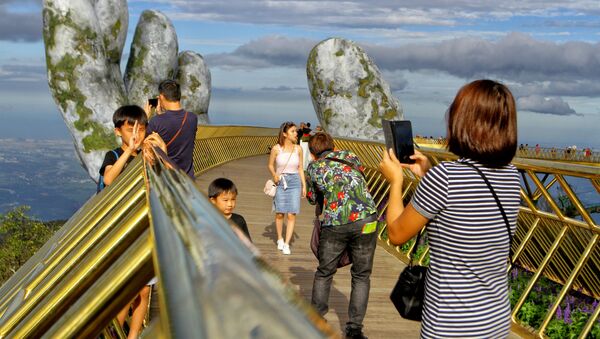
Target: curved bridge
(154, 220)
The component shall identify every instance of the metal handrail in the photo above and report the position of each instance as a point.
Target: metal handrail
(548, 242)
(40, 293)
(207, 276)
(80, 278)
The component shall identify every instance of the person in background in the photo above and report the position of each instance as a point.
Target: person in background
(223, 194)
(175, 126)
(466, 289)
(349, 221)
(287, 169)
(303, 136)
(306, 132)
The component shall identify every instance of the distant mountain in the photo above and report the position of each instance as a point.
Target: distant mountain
(43, 174)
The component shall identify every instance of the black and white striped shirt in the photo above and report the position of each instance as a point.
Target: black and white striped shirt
(466, 293)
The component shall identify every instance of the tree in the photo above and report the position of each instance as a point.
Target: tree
(20, 237)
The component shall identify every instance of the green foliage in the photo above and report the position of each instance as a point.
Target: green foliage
(20, 237)
(571, 315)
(556, 329)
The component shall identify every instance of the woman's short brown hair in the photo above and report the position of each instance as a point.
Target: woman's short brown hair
(320, 142)
(283, 129)
(482, 123)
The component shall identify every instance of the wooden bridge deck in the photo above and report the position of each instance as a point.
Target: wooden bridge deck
(382, 320)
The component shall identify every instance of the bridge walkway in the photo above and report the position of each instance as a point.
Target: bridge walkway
(382, 320)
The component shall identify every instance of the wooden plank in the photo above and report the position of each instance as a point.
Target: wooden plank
(382, 319)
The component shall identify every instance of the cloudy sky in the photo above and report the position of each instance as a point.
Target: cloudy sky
(547, 52)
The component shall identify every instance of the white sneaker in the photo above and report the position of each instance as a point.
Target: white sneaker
(280, 244)
(286, 249)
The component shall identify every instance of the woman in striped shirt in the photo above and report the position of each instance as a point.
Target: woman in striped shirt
(466, 290)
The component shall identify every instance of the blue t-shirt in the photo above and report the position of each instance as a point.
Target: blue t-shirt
(181, 150)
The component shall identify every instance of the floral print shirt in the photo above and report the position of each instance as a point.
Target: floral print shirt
(345, 192)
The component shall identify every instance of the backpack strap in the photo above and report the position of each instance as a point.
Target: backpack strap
(180, 128)
(100, 186)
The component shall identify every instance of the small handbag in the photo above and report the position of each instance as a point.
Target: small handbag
(270, 188)
(409, 292)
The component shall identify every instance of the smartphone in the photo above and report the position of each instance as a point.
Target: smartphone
(398, 136)
(153, 102)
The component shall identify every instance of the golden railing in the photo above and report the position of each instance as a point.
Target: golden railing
(153, 219)
(555, 239)
(569, 154)
(97, 262)
(81, 277)
(549, 241)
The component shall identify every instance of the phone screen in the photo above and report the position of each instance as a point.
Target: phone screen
(398, 136)
(153, 102)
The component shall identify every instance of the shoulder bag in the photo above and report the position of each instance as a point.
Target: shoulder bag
(270, 188)
(409, 292)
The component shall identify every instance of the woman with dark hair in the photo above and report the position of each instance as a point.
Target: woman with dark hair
(349, 222)
(466, 290)
(285, 165)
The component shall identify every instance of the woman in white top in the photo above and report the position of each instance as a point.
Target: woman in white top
(285, 165)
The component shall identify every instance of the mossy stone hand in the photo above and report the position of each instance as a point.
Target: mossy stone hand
(348, 91)
(84, 42)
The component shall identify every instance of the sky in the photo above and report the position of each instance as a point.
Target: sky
(547, 52)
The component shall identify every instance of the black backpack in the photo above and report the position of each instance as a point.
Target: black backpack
(101, 184)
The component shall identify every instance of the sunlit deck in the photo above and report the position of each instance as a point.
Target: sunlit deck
(382, 320)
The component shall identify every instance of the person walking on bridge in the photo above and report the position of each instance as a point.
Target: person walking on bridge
(285, 165)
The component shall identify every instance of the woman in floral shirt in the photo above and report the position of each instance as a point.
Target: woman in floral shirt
(349, 221)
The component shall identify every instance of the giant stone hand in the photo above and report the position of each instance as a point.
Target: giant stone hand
(348, 92)
(84, 42)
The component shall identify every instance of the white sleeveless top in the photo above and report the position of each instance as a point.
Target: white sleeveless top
(282, 159)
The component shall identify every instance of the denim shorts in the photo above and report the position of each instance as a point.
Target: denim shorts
(287, 197)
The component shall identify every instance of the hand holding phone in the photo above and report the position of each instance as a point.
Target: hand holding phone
(398, 136)
(153, 102)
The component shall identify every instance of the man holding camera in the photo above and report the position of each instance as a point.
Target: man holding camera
(176, 126)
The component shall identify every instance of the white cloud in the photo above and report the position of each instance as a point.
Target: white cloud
(516, 57)
(373, 13)
(540, 104)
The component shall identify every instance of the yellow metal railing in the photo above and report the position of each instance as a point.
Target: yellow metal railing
(97, 262)
(43, 290)
(211, 285)
(228, 143)
(153, 219)
(556, 236)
